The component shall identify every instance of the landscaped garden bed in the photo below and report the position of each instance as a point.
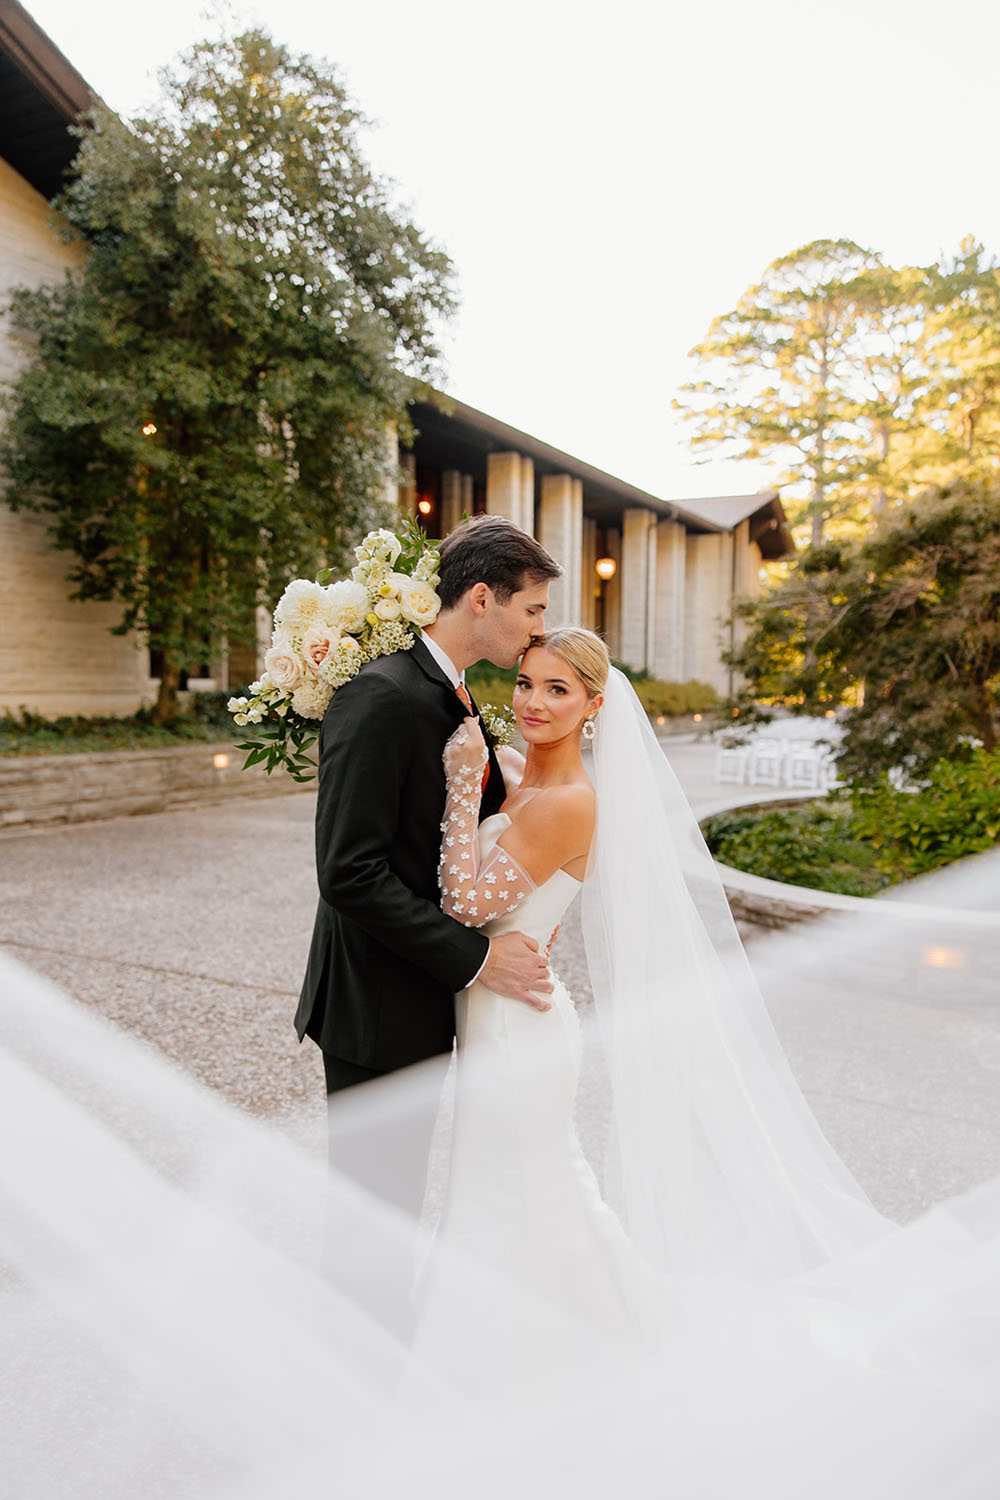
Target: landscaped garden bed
(857, 842)
(203, 721)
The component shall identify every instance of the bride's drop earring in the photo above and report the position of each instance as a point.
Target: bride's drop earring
(587, 728)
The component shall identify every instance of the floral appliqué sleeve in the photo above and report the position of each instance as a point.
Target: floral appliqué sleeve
(473, 894)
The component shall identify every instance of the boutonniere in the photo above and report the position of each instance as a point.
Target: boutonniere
(499, 724)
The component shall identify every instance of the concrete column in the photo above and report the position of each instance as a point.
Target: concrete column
(408, 484)
(638, 600)
(503, 485)
(613, 595)
(451, 500)
(527, 520)
(588, 578)
(668, 633)
(707, 594)
(391, 483)
(560, 531)
(746, 565)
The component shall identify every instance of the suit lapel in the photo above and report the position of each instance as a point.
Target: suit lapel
(495, 791)
(425, 661)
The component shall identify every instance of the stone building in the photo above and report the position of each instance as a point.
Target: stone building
(56, 655)
(671, 567)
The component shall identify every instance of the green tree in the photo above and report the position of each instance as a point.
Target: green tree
(962, 406)
(206, 409)
(903, 627)
(888, 379)
(778, 375)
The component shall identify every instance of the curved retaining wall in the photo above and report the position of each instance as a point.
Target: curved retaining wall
(768, 905)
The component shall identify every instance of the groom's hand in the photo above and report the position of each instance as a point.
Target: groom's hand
(518, 969)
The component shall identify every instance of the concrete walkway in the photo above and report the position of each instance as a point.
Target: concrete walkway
(190, 928)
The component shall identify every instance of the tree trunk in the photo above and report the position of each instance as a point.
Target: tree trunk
(165, 708)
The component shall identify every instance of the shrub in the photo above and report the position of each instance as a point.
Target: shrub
(811, 844)
(490, 684)
(674, 698)
(956, 812)
(32, 734)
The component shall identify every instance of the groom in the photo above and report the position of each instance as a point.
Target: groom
(385, 962)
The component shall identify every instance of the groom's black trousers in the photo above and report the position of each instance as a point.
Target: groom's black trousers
(381, 1135)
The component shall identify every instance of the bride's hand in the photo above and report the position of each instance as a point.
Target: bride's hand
(466, 750)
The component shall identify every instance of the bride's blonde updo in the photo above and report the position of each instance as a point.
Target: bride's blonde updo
(582, 650)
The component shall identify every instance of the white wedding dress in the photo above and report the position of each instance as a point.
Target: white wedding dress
(523, 1202)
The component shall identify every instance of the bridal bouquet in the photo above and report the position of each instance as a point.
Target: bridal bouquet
(324, 633)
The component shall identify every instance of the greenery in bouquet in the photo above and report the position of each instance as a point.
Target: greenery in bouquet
(324, 632)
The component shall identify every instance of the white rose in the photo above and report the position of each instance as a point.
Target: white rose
(420, 604)
(346, 604)
(300, 607)
(379, 546)
(283, 663)
(317, 644)
(311, 699)
(427, 567)
(388, 608)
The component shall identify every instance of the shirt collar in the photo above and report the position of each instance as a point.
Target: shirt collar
(443, 660)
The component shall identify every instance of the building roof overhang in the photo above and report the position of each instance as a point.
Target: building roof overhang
(454, 435)
(41, 93)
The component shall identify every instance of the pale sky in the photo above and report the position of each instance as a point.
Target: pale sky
(609, 177)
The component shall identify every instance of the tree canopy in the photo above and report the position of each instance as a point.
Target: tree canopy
(206, 408)
(862, 382)
(903, 626)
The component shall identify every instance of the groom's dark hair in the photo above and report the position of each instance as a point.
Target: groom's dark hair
(491, 550)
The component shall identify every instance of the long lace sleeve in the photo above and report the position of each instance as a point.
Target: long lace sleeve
(473, 894)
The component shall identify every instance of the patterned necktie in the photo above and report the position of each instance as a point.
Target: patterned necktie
(463, 694)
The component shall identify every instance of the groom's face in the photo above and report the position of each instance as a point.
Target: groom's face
(509, 629)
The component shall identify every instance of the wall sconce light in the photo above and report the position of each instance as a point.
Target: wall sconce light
(220, 761)
(424, 507)
(605, 568)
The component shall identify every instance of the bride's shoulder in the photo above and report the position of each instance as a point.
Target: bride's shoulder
(574, 804)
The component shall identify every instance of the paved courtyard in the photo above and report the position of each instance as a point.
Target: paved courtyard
(190, 929)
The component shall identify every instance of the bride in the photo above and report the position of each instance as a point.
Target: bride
(714, 1163)
(184, 1294)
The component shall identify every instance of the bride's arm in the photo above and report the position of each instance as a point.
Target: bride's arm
(554, 828)
(472, 893)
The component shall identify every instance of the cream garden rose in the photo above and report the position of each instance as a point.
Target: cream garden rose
(317, 644)
(418, 602)
(283, 663)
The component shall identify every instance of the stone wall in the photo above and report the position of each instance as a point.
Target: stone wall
(56, 656)
(44, 790)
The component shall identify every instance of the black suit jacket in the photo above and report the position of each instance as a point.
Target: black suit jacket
(385, 962)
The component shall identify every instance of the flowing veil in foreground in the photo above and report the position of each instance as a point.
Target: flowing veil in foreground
(191, 1305)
